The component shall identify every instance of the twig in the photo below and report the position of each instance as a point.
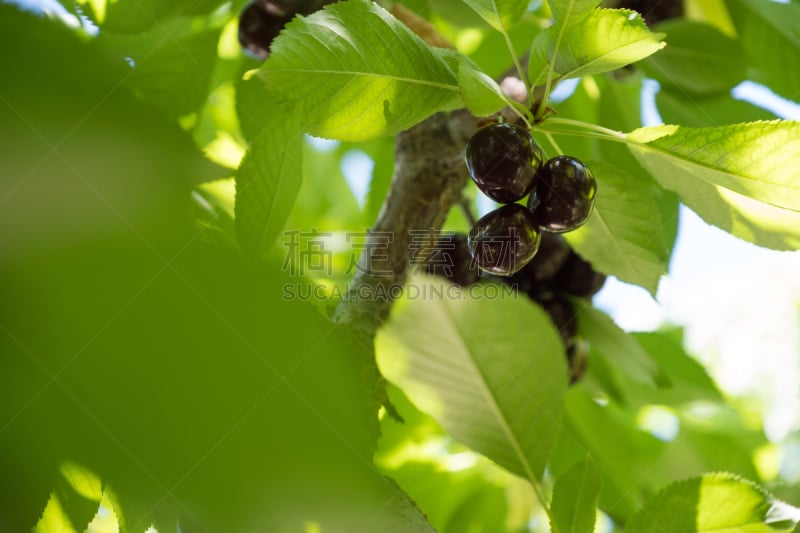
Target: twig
(428, 180)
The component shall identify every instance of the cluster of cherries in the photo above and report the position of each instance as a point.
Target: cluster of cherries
(521, 245)
(506, 164)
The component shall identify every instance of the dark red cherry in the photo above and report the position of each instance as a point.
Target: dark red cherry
(505, 240)
(536, 277)
(578, 277)
(564, 195)
(502, 160)
(563, 316)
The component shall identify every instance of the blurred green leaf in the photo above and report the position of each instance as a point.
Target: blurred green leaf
(134, 16)
(770, 35)
(698, 58)
(74, 502)
(624, 235)
(620, 109)
(697, 450)
(171, 64)
(498, 395)
(215, 213)
(571, 10)
(748, 219)
(267, 184)
(358, 72)
(712, 12)
(618, 348)
(697, 112)
(622, 452)
(481, 94)
(689, 379)
(714, 502)
(172, 368)
(501, 14)
(458, 489)
(575, 498)
(492, 55)
(605, 40)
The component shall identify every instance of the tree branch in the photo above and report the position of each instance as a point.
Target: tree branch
(428, 179)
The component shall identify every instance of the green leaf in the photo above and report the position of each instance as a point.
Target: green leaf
(134, 16)
(494, 45)
(760, 160)
(619, 448)
(74, 502)
(571, 10)
(620, 109)
(712, 12)
(267, 184)
(501, 14)
(713, 503)
(476, 496)
(676, 108)
(624, 236)
(582, 105)
(358, 72)
(770, 35)
(481, 94)
(605, 40)
(690, 381)
(498, 394)
(610, 342)
(752, 221)
(698, 58)
(172, 63)
(575, 497)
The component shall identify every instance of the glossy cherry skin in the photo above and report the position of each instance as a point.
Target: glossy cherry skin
(564, 196)
(504, 240)
(502, 160)
(450, 258)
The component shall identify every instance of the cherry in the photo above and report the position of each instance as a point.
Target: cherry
(503, 160)
(536, 277)
(564, 195)
(504, 240)
(577, 277)
(260, 22)
(450, 259)
(563, 316)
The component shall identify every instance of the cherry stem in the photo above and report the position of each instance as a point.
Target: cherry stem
(587, 126)
(553, 142)
(586, 130)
